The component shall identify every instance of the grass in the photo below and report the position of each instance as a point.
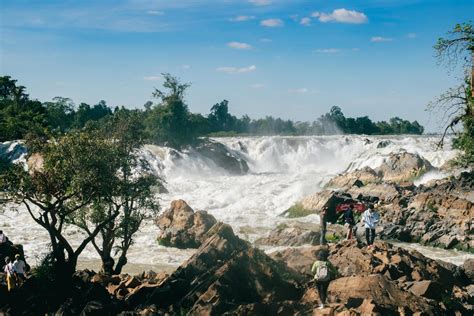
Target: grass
(297, 210)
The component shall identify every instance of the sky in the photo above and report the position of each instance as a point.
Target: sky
(292, 59)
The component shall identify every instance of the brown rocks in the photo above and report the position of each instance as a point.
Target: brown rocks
(290, 236)
(181, 227)
(375, 294)
(329, 198)
(365, 175)
(224, 273)
(402, 167)
(468, 267)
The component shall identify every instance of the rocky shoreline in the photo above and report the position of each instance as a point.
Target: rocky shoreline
(230, 276)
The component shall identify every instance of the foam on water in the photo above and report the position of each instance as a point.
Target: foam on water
(282, 171)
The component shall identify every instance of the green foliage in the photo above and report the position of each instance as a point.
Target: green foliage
(18, 114)
(333, 237)
(71, 172)
(297, 210)
(457, 103)
(131, 199)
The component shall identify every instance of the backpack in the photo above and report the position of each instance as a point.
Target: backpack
(322, 272)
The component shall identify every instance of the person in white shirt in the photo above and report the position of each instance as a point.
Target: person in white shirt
(19, 266)
(370, 218)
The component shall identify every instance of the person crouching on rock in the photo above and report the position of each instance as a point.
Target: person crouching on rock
(370, 218)
(349, 221)
(10, 274)
(323, 272)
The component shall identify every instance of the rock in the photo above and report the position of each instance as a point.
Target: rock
(299, 259)
(224, 273)
(356, 178)
(404, 166)
(468, 267)
(223, 156)
(428, 289)
(290, 236)
(329, 198)
(383, 143)
(380, 295)
(181, 227)
(132, 283)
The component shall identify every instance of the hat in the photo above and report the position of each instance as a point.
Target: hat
(17, 255)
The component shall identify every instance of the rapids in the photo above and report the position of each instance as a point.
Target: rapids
(282, 171)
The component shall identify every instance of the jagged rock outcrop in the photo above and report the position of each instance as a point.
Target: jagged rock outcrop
(290, 236)
(315, 203)
(396, 168)
(222, 156)
(182, 227)
(224, 273)
(385, 279)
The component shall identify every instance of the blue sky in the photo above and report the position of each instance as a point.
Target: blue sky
(290, 59)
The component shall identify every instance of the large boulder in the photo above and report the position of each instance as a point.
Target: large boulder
(224, 273)
(222, 156)
(403, 167)
(290, 236)
(356, 178)
(181, 227)
(314, 203)
(377, 294)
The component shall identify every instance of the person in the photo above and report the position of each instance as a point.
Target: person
(10, 274)
(324, 272)
(323, 220)
(3, 238)
(370, 218)
(349, 221)
(19, 267)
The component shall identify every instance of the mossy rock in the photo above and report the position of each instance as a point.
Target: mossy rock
(297, 210)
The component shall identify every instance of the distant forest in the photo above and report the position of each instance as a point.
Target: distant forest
(169, 121)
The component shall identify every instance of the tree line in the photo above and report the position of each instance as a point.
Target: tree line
(169, 121)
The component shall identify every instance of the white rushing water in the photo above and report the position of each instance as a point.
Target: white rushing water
(282, 171)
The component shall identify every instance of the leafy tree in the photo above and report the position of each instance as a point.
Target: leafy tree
(131, 197)
(168, 122)
(60, 114)
(65, 175)
(458, 103)
(18, 114)
(86, 113)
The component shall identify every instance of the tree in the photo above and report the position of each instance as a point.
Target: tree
(132, 196)
(457, 103)
(18, 114)
(65, 175)
(168, 122)
(60, 114)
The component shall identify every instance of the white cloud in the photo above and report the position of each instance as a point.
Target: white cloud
(257, 86)
(185, 67)
(305, 21)
(236, 70)
(327, 50)
(152, 78)
(355, 49)
(302, 91)
(238, 45)
(266, 40)
(154, 12)
(272, 23)
(378, 39)
(260, 2)
(411, 35)
(242, 18)
(341, 16)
